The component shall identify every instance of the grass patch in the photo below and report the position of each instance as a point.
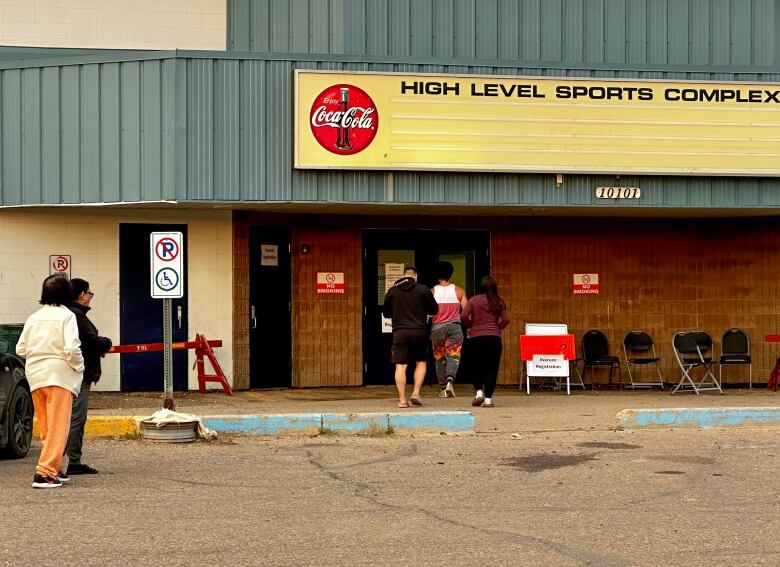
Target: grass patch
(327, 431)
(376, 430)
(129, 435)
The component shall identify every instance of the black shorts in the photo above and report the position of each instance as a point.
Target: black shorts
(410, 345)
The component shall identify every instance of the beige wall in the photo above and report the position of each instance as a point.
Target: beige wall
(91, 238)
(120, 24)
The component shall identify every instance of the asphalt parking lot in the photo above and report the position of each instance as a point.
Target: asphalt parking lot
(683, 497)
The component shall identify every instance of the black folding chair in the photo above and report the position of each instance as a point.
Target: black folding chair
(735, 349)
(595, 352)
(690, 350)
(639, 351)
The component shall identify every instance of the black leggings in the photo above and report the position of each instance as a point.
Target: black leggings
(479, 363)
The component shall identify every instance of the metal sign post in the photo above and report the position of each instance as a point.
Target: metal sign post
(168, 355)
(167, 273)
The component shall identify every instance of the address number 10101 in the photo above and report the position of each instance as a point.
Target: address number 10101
(618, 192)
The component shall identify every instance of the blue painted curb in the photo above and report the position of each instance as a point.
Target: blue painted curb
(271, 424)
(313, 423)
(354, 422)
(698, 418)
(433, 421)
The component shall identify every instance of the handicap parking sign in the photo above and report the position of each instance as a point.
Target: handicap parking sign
(167, 264)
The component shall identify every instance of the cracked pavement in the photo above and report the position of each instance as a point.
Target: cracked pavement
(681, 497)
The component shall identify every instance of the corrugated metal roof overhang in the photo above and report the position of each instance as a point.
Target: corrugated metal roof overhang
(104, 126)
(418, 210)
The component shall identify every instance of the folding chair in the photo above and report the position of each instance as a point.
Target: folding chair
(735, 349)
(550, 383)
(595, 352)
(578, 380)
(694, 345)
(637, 348)
(559, 382)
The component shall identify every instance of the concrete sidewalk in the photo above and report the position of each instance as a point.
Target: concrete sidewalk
(514, 412)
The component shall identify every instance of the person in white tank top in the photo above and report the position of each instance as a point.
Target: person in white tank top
(446, 330)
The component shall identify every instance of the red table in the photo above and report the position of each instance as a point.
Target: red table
(531, 345)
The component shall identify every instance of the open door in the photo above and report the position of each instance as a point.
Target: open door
(467, 250)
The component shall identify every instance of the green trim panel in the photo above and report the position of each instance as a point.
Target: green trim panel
(218, 130)
(683, 32)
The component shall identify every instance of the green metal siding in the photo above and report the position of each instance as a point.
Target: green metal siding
(218, 129)
(679, 32)
(87, 133)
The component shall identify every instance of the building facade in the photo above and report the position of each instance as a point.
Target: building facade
(669, 194)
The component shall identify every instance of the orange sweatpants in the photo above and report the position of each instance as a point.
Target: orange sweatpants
(53, 406)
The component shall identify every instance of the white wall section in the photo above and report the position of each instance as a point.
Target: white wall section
(91, 238)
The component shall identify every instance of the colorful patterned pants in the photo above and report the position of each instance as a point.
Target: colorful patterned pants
(447, 340)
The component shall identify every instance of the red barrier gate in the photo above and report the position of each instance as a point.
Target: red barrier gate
(202, 346)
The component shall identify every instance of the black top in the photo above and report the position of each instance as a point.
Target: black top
(408, 304)
(93, 346)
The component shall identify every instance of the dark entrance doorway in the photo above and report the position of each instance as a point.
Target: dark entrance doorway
(467, 250)
(140, 316)
(270, 287)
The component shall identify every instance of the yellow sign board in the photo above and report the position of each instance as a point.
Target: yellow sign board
(535, 124)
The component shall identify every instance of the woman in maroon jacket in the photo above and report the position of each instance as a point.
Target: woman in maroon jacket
(484, 316)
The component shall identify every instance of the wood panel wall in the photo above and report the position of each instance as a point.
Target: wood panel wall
(240, 303)
(657, 275)
(327, 348)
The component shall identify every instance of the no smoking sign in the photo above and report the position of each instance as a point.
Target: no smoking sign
(167, 265)
(330, 283)
(585, 284)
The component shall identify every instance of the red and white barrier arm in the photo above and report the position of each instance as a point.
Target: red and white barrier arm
(152, 347)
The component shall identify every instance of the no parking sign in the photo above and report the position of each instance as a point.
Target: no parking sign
(167, 265)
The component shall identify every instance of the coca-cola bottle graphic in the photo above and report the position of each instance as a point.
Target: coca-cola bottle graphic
(343, 119)
(342, 141)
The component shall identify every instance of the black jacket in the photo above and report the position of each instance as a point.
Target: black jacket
(93, 346)
(408, 304)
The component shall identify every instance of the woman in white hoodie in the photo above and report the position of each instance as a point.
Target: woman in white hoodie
(50, 345)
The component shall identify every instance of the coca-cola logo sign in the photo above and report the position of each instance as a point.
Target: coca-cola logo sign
(344, 119)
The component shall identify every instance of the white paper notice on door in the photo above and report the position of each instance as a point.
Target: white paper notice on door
(269, 254)
(394, 271)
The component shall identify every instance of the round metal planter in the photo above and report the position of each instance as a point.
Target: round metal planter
(183, 432)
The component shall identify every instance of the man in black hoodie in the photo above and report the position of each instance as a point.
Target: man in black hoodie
(93, 347)
(409, 304)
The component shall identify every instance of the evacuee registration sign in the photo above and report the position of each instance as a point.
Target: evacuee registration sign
(535, 124)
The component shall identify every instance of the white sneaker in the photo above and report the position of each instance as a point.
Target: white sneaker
(63, 478)
(40, 481)
(449, 391)
(443, 393)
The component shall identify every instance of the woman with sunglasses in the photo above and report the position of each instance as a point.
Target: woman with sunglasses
(93, 346)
